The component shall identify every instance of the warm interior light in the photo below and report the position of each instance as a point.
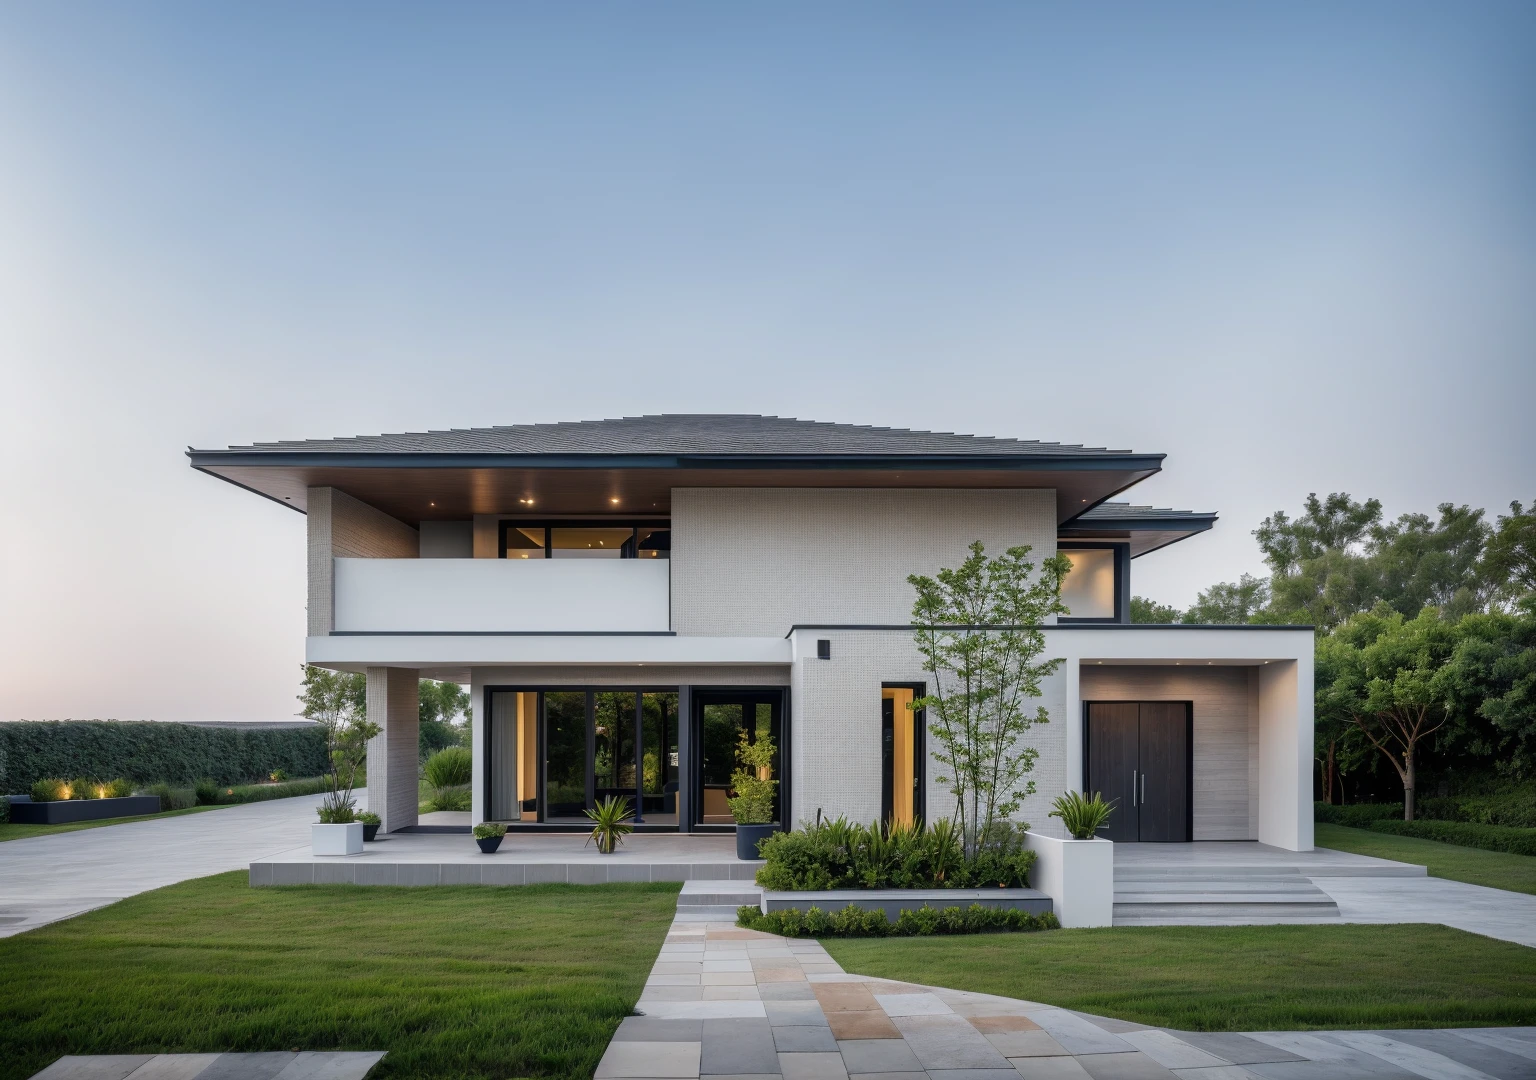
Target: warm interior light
(613, 500)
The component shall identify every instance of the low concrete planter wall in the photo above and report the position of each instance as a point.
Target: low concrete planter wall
(1078, 875)
(26, 812)
(894, 901)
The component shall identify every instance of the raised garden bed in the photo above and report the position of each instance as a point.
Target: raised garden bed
(63, 811)
(894, 901)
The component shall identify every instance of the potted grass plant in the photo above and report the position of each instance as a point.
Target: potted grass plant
(611, 822)
(752, 805)
(489, 834)
(1077, 873)
(370, 822)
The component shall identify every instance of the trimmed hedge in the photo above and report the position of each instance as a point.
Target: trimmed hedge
(1465, 834)
(1357, 815)
(1513, 809)
(147, 752)
(852, 921)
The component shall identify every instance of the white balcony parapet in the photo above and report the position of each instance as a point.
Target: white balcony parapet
(502, 596)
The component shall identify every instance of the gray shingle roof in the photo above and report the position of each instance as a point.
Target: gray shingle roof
(1125, 512)
(684, 434)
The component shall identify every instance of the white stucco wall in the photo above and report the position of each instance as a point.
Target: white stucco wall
(748, 561)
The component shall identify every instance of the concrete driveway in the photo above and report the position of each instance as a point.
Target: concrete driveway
(47, 878)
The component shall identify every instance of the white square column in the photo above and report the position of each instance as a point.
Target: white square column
(1285, 754)
(393, 754)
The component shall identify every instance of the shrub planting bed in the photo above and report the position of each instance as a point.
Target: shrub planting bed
(24, 811)
(853, 921)
(835, 854)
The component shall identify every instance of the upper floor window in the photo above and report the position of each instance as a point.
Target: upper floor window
(1091, 589)
(585, 540)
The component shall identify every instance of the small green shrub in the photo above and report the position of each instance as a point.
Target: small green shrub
(83, 787)
(336, 811)
(50, 791)
(1356, 815)
(120, 788)
(1465, 834)
(277, 776)
(449, 773)
(368, 817)
(247, 793)
(486, 830)
(1079, 816)
(912, 922)
(450, 767)
(206, 791)
(173, 798)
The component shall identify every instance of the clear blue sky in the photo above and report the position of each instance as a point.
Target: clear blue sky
(1292, 245)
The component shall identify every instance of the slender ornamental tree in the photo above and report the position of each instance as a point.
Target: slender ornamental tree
(337, 701)
(978, 628)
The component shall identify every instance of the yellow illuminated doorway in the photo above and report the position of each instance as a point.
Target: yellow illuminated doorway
(902, 748)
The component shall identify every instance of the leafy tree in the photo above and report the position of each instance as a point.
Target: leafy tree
(1230, 602)
(1508, 569)
(1337, 523)
(442, 702)
(1490, 680)
(978, 629)
(1150, 611)
(1415, 561)
(337, 701)
(1382, 674)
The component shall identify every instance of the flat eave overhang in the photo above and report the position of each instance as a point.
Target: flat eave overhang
(268, 459)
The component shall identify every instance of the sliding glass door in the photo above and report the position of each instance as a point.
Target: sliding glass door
(723, 718)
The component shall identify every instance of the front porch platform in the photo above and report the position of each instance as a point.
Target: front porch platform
(412, 858)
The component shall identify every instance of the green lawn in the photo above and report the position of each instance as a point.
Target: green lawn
(12, 831)
(1239, 978)
(1496, 869)
(463, 982)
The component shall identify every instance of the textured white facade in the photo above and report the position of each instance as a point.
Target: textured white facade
(339, 526)
(749, 561)
(394, 704)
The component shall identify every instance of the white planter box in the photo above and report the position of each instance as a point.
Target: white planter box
(336, 839)
(1078, 876)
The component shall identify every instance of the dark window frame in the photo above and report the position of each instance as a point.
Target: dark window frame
(919, 755)
(634, 524)
(700, 696)
(1122, 580)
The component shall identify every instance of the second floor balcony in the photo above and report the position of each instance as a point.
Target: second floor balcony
(505, 596)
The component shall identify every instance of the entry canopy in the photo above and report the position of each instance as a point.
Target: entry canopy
(629, 466)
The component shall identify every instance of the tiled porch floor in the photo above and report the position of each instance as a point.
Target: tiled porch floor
(730, 1003)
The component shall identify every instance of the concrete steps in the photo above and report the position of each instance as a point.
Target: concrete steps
(1236, 894)
(715, 900)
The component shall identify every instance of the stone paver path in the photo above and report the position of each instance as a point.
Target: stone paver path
(723, 1002)
(304, 1065)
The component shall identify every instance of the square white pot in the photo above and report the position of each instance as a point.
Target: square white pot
(1078, 876)
(336, 839)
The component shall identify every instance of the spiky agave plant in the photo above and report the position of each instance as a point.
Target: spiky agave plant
(611, 822)
(1082, 817)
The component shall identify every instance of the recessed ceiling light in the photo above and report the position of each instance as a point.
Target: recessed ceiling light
(613, 500)
(431, 504)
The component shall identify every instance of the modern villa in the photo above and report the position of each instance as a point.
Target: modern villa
(629, 598)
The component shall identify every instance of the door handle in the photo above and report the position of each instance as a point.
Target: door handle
(1143, 788)
(1133, 787)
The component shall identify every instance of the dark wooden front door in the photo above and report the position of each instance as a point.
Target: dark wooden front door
(1138, 758)
(1113, 733)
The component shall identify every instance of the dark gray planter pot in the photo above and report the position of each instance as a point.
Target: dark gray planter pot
(749, 836)
(489, 844)
(26, 812)
(370, 830)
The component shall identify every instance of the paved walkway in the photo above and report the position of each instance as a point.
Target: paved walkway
(306, 1065)
(47, 878)
(730, 1003)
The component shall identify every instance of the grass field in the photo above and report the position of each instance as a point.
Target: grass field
(12, 831)
(1496, 869)
(465, 982)
(1239, 978)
